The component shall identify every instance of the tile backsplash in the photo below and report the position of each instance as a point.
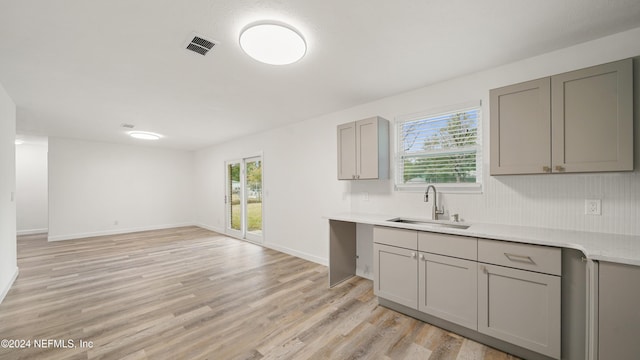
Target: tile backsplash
(551, 201)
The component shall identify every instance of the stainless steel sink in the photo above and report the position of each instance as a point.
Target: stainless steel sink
(430, 223)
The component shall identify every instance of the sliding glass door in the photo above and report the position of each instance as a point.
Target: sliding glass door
(244, 198)
(253, 198)
(233, 198)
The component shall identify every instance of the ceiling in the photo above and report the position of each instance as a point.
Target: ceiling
(80, 69)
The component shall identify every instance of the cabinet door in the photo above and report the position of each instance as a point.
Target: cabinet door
(619, 316)
(520, 128)
(347, 151)
(592, 119)
(448, 289)
(520, 307)
(396, 274)
(367, 148)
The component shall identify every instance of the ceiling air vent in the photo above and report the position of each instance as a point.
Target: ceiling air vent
(199, 44)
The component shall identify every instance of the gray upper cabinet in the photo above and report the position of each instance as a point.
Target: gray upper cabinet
(346, 151)
(580, 121)
(592, 119)
(363, 149)
(520, 128)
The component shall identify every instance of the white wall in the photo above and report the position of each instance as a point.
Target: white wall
(300, 166)
(552, 201)
(299, 185)
(31, 187)
(8, 255)
(98, 188)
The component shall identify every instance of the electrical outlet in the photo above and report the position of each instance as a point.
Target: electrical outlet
(593, 207)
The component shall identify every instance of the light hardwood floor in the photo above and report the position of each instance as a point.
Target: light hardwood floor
(189, 293)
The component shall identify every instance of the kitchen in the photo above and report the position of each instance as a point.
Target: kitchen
(549, 201)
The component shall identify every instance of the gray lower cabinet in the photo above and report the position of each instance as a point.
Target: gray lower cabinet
(520, 307)
(508, 291)
(396, 274)
(448, 289)
(619, 311)
(519, 294)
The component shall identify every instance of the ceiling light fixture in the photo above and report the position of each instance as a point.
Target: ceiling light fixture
(19, 142)
(144, 135)
(272, 43)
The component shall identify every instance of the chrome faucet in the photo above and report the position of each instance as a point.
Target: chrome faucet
(434, 209)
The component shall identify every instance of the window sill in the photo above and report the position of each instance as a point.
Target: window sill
(442, 188)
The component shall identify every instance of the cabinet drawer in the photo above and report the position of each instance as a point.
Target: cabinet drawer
(450, 245)
(403, 238)
(537, 258)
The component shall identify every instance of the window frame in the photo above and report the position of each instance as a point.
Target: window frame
(400, 155)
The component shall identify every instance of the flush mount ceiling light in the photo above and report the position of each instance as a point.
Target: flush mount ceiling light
(144, 135)
(271, 43)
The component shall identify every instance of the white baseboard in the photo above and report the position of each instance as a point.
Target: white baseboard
(283, 249)
(116, 232)
(6, 289)
(32, 231)
(296, 253)
(212, 228)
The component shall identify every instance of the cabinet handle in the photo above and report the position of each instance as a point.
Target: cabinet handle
(484, 269)
(413, 255)
(559, 168)
(546, 169)
(422, 257)
(357, 176)
(520, 258)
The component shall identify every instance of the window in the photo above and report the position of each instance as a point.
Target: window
(441, 149)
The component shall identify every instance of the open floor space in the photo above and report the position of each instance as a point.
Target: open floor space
(190, 293)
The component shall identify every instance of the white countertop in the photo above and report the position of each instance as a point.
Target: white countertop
(623, 249)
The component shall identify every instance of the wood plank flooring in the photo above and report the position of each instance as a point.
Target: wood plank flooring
(189, 293)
